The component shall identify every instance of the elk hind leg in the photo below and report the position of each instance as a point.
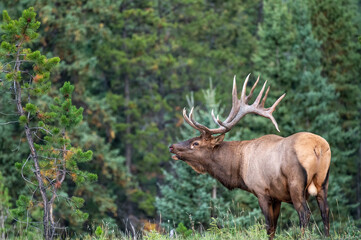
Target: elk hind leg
(298, 197)
(323, 205)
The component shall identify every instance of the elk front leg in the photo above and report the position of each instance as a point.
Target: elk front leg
(270, 209)
(276, 212)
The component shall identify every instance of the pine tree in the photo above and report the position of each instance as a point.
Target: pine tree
(51, 153)
(84, 24)
(273, 61)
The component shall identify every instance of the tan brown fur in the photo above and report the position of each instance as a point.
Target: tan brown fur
(314, 155)
(273, 168)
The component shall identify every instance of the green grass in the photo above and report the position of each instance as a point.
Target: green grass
(344, 230)
(256, 231)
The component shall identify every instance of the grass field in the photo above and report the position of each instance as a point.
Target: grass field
(346, 231)
(339, 230)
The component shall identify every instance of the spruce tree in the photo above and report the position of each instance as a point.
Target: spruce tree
(273, 61)
(137, 68)
(26, 73)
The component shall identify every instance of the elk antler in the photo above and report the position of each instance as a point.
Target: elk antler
(239, 109)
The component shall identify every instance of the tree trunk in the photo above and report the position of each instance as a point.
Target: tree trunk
(47, 228)
(128, 145)
(17, 88)
(214, 191)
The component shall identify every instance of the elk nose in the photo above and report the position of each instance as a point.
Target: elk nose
(171, 148)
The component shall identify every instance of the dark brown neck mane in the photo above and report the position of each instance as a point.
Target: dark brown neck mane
(225, 167)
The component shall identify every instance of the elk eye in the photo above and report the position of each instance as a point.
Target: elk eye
(195, 144)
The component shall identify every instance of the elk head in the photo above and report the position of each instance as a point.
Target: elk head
(197, 151)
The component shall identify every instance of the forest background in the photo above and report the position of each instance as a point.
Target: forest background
(136, 64)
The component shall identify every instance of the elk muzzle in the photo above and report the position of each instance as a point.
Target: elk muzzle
(172, 150)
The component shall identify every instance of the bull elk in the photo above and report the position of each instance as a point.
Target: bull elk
(275, 169)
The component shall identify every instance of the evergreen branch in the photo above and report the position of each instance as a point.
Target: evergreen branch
(19, 221)
(22, 171)
(9, 114)
(6, 123)
(20, 61)
(11, 54)
(43, 130)
(39, 137)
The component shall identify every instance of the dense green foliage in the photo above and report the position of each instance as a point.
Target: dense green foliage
(133, 64)
(26, 75)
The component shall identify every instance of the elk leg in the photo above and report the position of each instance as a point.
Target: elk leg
(267, 208)
(323, 205)
(297, 184)
(300, 204)
(276, 212)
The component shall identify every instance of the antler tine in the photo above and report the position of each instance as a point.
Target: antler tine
(187, 118)
(215, 119)
(256, 102)
(219, 122)
(256, 107)
(234, 92)
(243, 95)
(265, 97)
(274, 122)
(252, 89)
(239, 109)
(277, 102)
(198, 126)
(235, 102)
(203, 129)
(260, 110)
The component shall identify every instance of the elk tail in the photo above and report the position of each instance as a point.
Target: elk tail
(312, 190)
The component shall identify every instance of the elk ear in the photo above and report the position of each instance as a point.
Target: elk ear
(217, 140)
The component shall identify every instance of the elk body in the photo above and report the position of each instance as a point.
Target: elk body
(275, 169)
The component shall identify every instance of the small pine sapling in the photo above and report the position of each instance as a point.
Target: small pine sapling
(26, 74)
